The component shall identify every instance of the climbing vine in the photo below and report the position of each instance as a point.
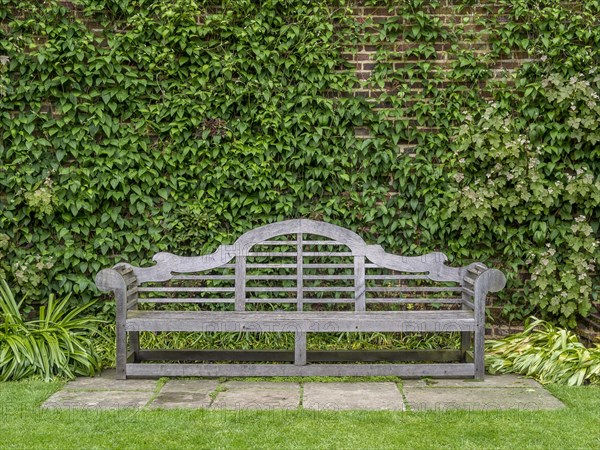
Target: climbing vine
(129, 127)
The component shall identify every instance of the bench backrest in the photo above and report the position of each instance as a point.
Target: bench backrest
(302, 262)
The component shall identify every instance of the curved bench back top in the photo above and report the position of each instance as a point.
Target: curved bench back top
(432, 265)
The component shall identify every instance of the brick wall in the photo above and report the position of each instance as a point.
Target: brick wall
(471, 35)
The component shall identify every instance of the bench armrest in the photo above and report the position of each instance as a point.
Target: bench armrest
(109, 280)
(117, 280)
(491, 280)
(479, 281)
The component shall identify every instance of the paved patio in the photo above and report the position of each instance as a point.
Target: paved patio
(498, 392)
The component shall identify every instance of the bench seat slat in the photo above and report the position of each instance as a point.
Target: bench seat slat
(301, 321)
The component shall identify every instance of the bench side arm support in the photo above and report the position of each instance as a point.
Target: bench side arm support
(491, 280)
(110, 280)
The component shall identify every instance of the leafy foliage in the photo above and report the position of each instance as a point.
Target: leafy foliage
(134, 126)
(57, 344)
(547, 353)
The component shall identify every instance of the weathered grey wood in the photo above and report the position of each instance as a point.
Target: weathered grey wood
(131, 304)
(295, 300)
(328, 266)
(187, 289)
(466, 337)
(240, 283)
(311, 355)
(270, 289)
(270, 277)
(300, 349)
(440, 370)
(303, 316)
(432, 263)
(305, 242)
(132, 299)
(299, 276)
(270, 266)
(413, 289)
(323, 242)
(294, 254)
(328, 277)
(302, 321)
(272, 254)
(465, 343)
(329, 289)
(203, 277)
(490, 280)
(186, 300)
(359, 283)
(370, 264)
(400, 300)
(391, 277)
(110, 280)
(468, 303)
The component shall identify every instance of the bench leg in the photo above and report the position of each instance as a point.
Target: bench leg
(478, 352)
(300, 349)
(134, 343)
(121, 351)
(465, 344)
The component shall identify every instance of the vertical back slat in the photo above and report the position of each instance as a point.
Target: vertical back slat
(240, 283)
(299, 272)
(359, 283)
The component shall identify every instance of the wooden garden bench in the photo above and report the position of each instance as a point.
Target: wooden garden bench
(300, 276)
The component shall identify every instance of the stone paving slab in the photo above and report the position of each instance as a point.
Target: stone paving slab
(185, 394)
(496, 381)
(494, 393)
(257, 395)
(102, 399)
(352, 396)
(107, 382)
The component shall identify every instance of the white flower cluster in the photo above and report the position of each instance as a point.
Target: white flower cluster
(43, 198)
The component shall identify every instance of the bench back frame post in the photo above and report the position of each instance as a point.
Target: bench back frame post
(111, 280)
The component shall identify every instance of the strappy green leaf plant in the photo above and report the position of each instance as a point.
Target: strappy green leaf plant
(56, 344)
(546, 353)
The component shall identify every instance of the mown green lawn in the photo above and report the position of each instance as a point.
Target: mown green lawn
(24, 425)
